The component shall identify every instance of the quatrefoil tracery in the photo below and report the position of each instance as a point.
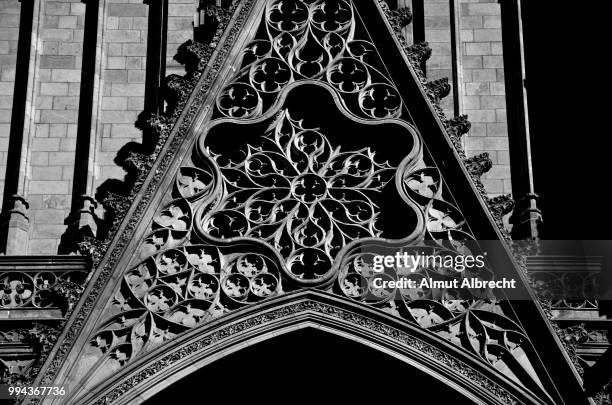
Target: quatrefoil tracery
(310, 41)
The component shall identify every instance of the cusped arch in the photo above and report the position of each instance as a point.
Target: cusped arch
(415, 346)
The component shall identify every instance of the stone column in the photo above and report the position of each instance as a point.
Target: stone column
(15, 220)
(526, 218)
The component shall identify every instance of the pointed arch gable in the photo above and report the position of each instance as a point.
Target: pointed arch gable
(311, 308)
(68, 361)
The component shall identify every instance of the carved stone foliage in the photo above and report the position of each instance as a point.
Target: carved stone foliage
(277, 198)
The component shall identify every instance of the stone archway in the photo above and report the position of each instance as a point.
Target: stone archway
(417, 348)
(298, 365)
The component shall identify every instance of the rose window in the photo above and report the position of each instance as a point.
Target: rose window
(301, 194)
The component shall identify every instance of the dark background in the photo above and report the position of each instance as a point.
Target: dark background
(568, 76)
(307, 366)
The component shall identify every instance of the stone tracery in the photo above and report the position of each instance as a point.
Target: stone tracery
(306, 199)
(303, 195)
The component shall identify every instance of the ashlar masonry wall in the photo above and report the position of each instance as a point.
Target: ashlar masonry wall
(117, 93)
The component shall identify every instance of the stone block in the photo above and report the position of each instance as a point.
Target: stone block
(45, 144)
(50, 21)
(4, 47)
(7, 74)
(77, 8)
(47, 173)
(135, 103)
(493, 102)
(125, 23)
(474, 143)
(498, 89)
(480, 9)
(42, 246)
(181, 10)
(111, 116)
(52, 116)
(68, 145)
(65, 103)
(136, 76)
(66, 75)
(71, 130)
(130, 89)
(482, 116)
(6, 102)
(57, 8)
(142, 23)
(53, 89)
(430, 22)
(184, 23)
(495, 143)
(466, 35)
(484, 75)
(471, 102)
(116, 62)
(58, 34)
(114, 103)
(41, 131)
(437, 35)
(6, 88)
(129, 36)
(58, 202)
(497, 48)
(130, 49)
(492, 21)
(497, 129)
(500, 115)
(128, 10)
(9, 34)
(112, 145)
(125, 131)
(478, 48)
(48, 187)
(477, 89)
(67, 48)
(44, 231)
(115, 76)
(487, 34)
(9, 20)
(67, 21)
(114, 49)
(133, 62)
(74, 88)
(477, 128)
(61, 158)
(436, 9)
(57, 130)
(471, 22)
(39, 159)
(503, 157)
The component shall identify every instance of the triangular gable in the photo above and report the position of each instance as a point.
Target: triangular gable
(308, 145)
